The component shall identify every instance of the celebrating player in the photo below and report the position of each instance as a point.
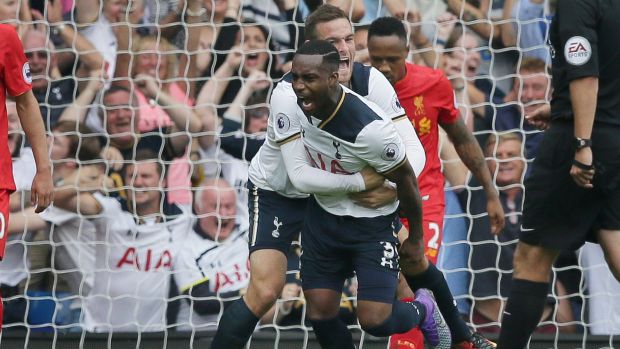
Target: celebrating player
(428, 99)
(340, 236)
(16, 80)
(277, 200)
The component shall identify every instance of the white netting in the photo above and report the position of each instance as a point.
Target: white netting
(180, 66)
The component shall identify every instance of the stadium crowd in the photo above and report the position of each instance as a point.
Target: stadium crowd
(154, 109)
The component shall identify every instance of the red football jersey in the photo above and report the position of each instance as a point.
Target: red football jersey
(15, 79)
(428, 99)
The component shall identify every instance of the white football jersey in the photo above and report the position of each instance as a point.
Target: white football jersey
(221, 164)
(267, 170)
(74, 242)
(356, 135)
(224, 264)
(15, 265)
(133, 266)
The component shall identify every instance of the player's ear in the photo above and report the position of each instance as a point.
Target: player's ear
(333, 78)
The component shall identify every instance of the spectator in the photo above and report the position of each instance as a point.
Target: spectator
(213, 265)
(361, 44)
(121, 117)
(531, 89)
(603, 290)
(461, 62)
(137, 241)
(53, 95)
(491, 256)
(97, 18)
(354, 8)
(16, 14)
(73, 151)
(252, 52)
(525, 27)
(237, 139)
(222, 14)
(155, 58)
(281, 18)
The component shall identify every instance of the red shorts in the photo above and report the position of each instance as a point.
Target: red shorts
(4, 219)
(433, 214)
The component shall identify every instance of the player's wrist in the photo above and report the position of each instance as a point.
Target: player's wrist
(581, 143)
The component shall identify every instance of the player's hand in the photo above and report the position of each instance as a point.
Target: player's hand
(374, 198)
(496, 214)
(412, 259)
(582, 170)
(372, 179)
(42, 192)
(540, 118)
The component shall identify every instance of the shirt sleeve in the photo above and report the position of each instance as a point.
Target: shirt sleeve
(16, 74)
(448, 112)
(381, 92)
(413, 147)
(57, 216)
(283, 117)
(312, 180)
(187, 273)
(578, 39)
(381, 146)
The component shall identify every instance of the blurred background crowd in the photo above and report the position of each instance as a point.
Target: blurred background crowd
(166, 102)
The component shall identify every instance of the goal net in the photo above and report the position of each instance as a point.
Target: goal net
(154, 110)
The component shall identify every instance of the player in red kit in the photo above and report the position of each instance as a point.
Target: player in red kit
(15, 80)
(428, 99)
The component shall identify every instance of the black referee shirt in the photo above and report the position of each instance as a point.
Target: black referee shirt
(585, 39)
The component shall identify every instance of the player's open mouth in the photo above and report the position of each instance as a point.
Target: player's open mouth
(305, 104)
(344, 64)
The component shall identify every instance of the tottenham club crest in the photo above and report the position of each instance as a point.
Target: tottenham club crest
(282, 122)
(337, 146)
(276, 232)
(577, 50)
(390, 152)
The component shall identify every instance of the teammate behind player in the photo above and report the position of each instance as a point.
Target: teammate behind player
(278, 189)
(428, 99)
(341, 237)
(15, 79)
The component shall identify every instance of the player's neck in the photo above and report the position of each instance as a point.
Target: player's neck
(334, 97)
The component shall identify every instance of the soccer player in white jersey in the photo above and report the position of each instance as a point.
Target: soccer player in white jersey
(137, 241)
(213, 263)
(340, 237)
(277, 202)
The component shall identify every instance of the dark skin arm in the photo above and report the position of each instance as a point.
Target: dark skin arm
(412, 249)
(470, 153)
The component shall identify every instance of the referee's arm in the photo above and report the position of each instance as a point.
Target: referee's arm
(583, 93)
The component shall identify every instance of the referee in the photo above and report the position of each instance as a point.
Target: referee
(573, 193)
